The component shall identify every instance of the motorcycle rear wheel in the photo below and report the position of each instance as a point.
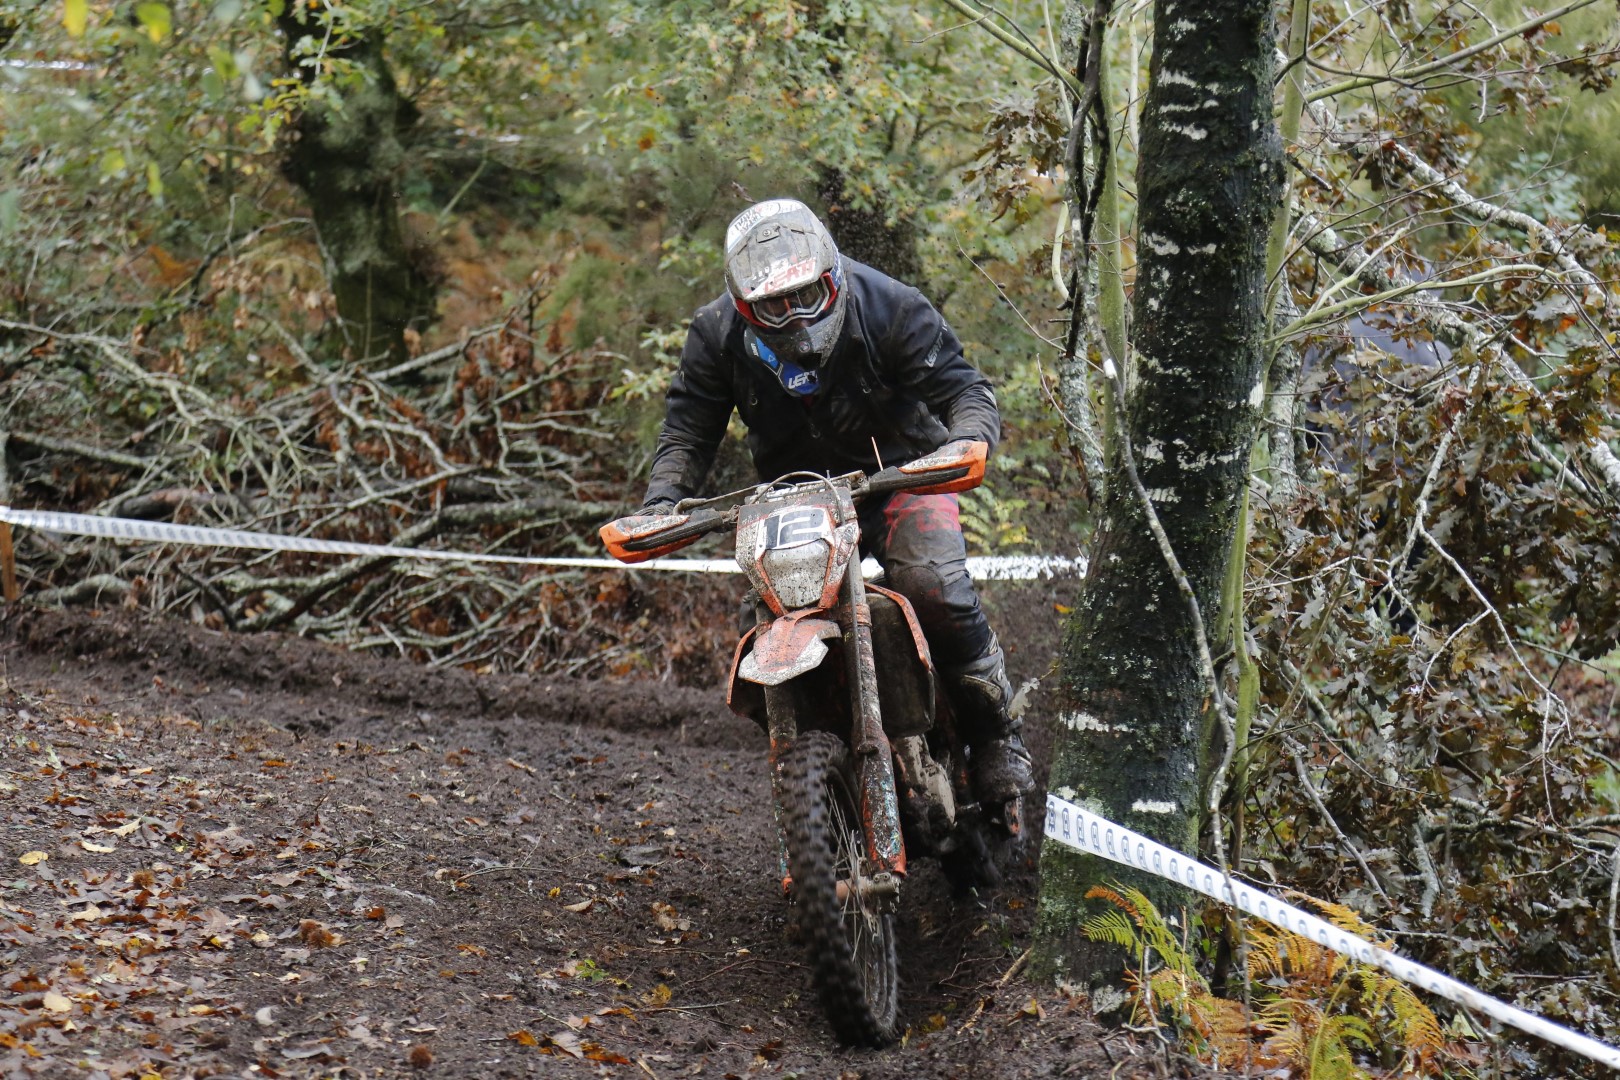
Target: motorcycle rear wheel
(851, 941)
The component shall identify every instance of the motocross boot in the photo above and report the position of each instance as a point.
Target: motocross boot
(981, 696)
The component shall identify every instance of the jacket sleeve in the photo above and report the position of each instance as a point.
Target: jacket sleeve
(697, 409)
(925, 357)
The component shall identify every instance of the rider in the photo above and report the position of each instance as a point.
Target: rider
(836, 367)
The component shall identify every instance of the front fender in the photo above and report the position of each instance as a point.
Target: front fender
(788, 647)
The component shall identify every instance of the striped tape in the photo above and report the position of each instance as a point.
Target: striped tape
(1085, 831)
(991, 568)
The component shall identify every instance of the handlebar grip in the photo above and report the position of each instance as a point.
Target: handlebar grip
(893, 479)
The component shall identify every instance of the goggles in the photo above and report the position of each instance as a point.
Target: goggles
(806, 302)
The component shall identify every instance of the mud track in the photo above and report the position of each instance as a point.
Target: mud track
(269, 857)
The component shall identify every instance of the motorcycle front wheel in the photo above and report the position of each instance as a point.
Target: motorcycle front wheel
(850, 938)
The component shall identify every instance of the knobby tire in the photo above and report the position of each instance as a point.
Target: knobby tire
(852, 952)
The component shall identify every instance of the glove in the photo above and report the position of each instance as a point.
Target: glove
(658, 508)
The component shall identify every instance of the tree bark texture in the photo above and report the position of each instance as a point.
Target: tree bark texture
(1137, 731)
(347, 156)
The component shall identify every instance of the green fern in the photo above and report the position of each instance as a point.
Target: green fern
(1317, 1008)
(1115, 929)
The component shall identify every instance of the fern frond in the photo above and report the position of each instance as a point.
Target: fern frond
(1114, 928)
(1416, 1020)
(1340, 916)
(1103, 892)
(1331, 1057)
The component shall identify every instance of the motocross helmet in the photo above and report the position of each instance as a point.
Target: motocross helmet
(787, 280)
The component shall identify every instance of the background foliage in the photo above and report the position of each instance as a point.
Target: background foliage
(1429, 591)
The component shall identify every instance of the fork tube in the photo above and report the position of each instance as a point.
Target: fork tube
(781, 709)
(874, 761)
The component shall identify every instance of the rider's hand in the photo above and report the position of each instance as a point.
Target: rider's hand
(659, 508)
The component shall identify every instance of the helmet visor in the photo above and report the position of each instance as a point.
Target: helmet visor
(808, 301)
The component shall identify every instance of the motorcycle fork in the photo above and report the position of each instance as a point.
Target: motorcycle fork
(874, 758)
(782, 713)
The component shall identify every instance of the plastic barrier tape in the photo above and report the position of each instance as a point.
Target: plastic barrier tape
(996, 568)
(1084, 831)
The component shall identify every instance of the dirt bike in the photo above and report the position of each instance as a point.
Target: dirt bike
(865, 762)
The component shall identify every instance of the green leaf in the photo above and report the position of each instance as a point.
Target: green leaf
(9, 215)
(112, 162)
(156, 19)
(75, 15)
(223, 62)
(277, 8)
(154, 180)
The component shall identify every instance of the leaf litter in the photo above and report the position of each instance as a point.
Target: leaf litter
(202, 885)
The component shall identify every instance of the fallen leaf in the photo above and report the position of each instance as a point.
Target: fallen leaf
(565, 1042)
(316, 936)
(582, 906)
(668, 918)
(524, 1038)
(303, 1053)
(32, 858)
(55, 1002)
(125, 830)
(597, 1052)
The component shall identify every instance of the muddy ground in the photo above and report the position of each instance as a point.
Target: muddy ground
(260, 856)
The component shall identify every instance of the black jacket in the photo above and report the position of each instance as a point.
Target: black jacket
(897, 375)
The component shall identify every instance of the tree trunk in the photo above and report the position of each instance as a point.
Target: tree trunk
(867, 235)
(347, 155)
(1137, 731)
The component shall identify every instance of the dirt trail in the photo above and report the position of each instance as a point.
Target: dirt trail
(266, 857)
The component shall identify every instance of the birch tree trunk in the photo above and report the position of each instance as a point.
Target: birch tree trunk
(1137, 734)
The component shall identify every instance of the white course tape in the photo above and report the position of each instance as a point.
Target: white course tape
(1084, 831)
(998, 568)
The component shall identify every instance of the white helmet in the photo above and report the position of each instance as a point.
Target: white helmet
(787, 280)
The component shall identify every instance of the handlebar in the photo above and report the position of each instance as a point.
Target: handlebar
(954, 467)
